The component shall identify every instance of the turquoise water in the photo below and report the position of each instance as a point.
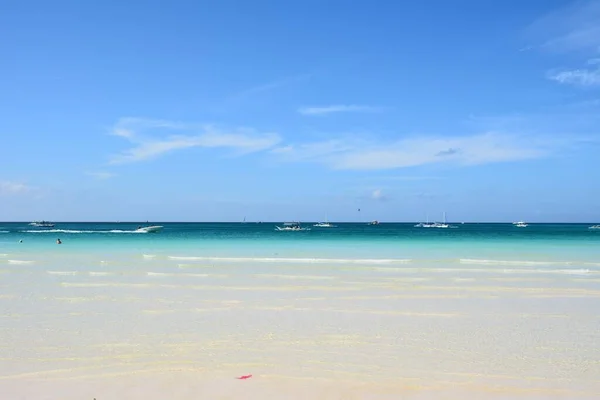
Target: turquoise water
(538, 242)
(485, 307)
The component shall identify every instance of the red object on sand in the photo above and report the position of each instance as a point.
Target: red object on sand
(244, 377)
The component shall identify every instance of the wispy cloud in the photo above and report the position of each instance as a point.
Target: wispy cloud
(338, 108)
(100, 174)
(265, 87)
(403, 178)
(575, 27)
(150, 140)
(486, 148)
(579, 77)
(11, 188)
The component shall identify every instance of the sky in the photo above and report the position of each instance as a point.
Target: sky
(271, 110)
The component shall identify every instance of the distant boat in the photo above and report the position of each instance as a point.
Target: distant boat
(424, 224)
(149, 229)
(325, 224)
(433, 225)
(291, 226)
(373, 223)
(594, 227)
(521, 224)
(42, 224)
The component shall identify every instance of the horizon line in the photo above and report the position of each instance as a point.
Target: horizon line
(283, 221)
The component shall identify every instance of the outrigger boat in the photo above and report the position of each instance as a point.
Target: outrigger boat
(291, 226)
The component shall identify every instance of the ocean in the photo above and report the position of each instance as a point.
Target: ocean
(357, 311)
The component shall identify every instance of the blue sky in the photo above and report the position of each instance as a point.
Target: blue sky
(200, 111)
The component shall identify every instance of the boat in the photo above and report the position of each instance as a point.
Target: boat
(291, 226)
(439, 224)
(42, 224)
(373, 223)
(594, 227)
(434, 224)
(325, 224)
(426, 224)
(521, 224)
(149, 229)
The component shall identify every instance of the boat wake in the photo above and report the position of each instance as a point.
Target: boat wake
(86, 231)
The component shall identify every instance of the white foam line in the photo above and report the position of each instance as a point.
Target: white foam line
(149, 256)
(283, 276)
(170, 274)
(19, 262)
(71, 273)
(293, 260)
(207, 287)
(102, 273)
(578, 271)
(78, 231)
(524, 262)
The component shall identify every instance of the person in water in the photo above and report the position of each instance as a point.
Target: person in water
(58, 241)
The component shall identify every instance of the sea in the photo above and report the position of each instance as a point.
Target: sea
(355, 311)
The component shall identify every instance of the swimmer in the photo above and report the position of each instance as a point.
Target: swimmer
(58, 241)
(21, 241)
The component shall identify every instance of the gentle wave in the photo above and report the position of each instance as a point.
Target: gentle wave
(383, 261)
(524, 262)
(78, 231)
(294, 260)
(73, 273)
(102, 273)
(149, 256)
(63, 272)
(4, 231)
(19, 262)
(308, 277)
(170, 274)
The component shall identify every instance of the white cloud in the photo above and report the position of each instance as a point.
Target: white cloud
(101, 174)
(135, 130)
(485, 148)
(10, 188)
(580, 77)
(265, 87)
(324, 110)
(378, 195)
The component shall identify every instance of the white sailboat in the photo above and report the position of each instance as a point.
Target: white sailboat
(441, 225)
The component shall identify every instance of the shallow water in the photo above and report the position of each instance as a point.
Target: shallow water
(484, 311)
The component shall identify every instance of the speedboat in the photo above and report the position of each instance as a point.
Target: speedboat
(594, 227)
(291, 226)
(149, 229)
